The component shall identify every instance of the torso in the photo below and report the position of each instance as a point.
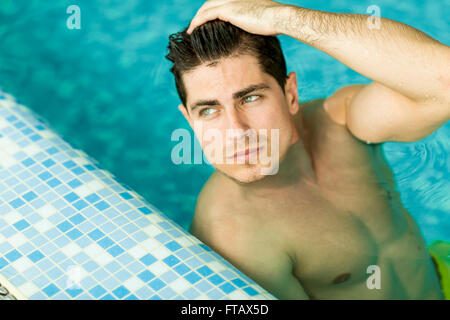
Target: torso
(352, 219)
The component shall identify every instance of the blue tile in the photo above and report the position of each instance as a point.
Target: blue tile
(204, 271)
(28, 162)
(74, 183)
(74, 234)
(96, 234)
(18, 280)
(168, 276)
(77, 219)
(145, 210)
(90, 266)
(71, 197)
(48, 163)
(112, 267)
(227, 287)
(81, 257)
(157, 284)
(89, 167)
(77, 171)
(191, 293)
(35, 256)
(35, 137)
(74, 292)
(216, 279)
(20, 225)
(69, 164)
(173, 246)
(13, 255)
(215, 294)
(121, 292)
(51, 150)
(107, 297)
(146, 276)
(192, 277)
(92, 198)
(148, 259)
(181, 269)
(64, 226)
(205, 247)
(115, 251)
(105, 243)
(126, 195)
(80, 204)
(84, 241)
(53, 182)
(250, 291)
(162, 237)
(125, 259)
(45, 175)
(17, 203)
(102, 205)
(131, 297)
(238, 282)
(29, 196)
(3, 263)
(97, 291)
(51, 290)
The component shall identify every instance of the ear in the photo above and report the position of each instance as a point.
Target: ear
(292, 93)
(185, 113)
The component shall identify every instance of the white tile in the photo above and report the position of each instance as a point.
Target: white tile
(43, 225)
(237, 295)
(28, 289)
(12, 216)
(93, 250)
(71, 249)
(158, 268)
(202, 297)
(216, 266)
(150, 244)
(103, 258)
(82, 190)
(180, 285)
(17, 240)
(46, 211)
(22, 264)
(152, 230)
(95, 185)
(137, 252)
(31, 149)
(161, 252)
(134, 283)
(6, 160)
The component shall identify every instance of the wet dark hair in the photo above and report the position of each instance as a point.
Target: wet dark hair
(219, 39)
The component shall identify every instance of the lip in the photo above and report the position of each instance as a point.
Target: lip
(246, 153)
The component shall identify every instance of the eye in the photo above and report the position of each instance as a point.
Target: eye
(206, 112)
(252, 96)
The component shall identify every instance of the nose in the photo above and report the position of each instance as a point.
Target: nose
(237, 127)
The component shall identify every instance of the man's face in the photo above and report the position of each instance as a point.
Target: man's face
(242, 132)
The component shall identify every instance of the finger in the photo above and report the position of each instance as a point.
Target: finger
(201, 18)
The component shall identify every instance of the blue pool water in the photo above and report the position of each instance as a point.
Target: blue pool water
(107, 89)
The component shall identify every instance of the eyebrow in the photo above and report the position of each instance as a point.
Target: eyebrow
(236, 95)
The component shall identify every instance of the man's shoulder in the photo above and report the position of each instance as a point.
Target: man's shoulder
(212, 204)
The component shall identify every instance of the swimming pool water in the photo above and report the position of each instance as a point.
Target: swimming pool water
(107, 89)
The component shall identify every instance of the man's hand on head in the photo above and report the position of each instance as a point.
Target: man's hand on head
(253, 16)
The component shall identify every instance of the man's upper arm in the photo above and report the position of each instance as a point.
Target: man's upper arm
(375, 113)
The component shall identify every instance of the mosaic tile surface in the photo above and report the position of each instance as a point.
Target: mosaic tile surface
(70, 230)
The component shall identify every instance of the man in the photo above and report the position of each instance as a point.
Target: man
(330, 216)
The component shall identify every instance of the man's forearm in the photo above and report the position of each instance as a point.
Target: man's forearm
(396, 55)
